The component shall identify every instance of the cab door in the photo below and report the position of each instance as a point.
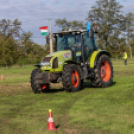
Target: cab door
(88, 47)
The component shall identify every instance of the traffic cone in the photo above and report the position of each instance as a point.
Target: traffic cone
(2, 77)
(51, 125)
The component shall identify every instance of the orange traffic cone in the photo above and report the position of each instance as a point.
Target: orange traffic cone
(2, 77)
(51, 125)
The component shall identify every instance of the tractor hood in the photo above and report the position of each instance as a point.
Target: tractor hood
(59, 53)
(54, 62)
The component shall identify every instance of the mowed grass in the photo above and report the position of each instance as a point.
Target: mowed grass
(88, 111)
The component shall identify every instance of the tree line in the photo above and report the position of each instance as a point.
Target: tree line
(17, 47)
(115, 28)
(115, 34)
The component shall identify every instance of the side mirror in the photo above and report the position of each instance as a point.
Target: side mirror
(95, 29)
(91, 33)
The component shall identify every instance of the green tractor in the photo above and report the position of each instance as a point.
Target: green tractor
(76, 59)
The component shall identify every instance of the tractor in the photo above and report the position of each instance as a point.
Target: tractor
(76, 58)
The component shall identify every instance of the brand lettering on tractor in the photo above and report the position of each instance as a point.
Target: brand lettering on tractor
(50, 119)
(67, 55)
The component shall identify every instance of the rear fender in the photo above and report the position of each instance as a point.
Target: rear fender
(95, 57)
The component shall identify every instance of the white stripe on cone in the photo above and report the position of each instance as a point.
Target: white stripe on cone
(50, 119)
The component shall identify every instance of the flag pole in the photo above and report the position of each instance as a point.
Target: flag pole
(51, 43)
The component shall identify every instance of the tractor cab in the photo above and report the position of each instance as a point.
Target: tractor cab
(81, 43)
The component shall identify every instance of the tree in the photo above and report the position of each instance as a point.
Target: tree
(8, 46)
(11, 51)
(30, 52)
(107, 16)
(10, 28)
(130, 31)
(66, 25)
(8, 52)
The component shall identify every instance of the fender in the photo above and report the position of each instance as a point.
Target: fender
(95, 57)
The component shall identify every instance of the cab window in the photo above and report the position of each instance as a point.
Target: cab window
(88, 44)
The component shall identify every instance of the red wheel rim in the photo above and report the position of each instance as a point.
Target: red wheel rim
(105, 71)
(75, 78)
(44, 87)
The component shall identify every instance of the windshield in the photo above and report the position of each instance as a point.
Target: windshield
(69, 42)
(88, 42)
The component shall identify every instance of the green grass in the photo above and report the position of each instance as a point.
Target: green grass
(16, 75)
(88, 111)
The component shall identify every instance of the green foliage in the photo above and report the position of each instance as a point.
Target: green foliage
(106, 14)
(8, 51)
(66, 25)
(130, 32)
(21, 52)
(10, 28)
(115, 29)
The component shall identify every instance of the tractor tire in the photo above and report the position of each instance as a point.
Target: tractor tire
(71, 77)
(103, 72)
(36, 87)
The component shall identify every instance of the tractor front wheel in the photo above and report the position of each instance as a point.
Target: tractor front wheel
(103, 72)
(36, 87)
(71, 77)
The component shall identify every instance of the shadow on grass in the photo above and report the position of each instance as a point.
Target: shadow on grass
(54, 90)
(87, 84)
(113, 83)
(57, 126)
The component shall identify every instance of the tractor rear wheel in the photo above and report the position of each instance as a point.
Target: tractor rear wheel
(36, 87)
(103, 72)
(71, 77)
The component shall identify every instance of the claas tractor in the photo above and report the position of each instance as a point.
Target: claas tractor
(76, 58)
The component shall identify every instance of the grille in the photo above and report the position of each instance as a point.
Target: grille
(47, 59)
(55, 63)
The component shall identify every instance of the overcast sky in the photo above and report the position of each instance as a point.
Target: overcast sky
(35, 13)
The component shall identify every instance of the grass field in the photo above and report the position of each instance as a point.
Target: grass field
(88, 111)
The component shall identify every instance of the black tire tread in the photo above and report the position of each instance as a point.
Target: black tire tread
(96, 81)
(36, 87)
(66, 76)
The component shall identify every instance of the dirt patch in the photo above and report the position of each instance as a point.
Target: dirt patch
(56, 85)
(14, 88)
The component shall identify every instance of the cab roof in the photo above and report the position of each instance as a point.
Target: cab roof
(70, 31)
